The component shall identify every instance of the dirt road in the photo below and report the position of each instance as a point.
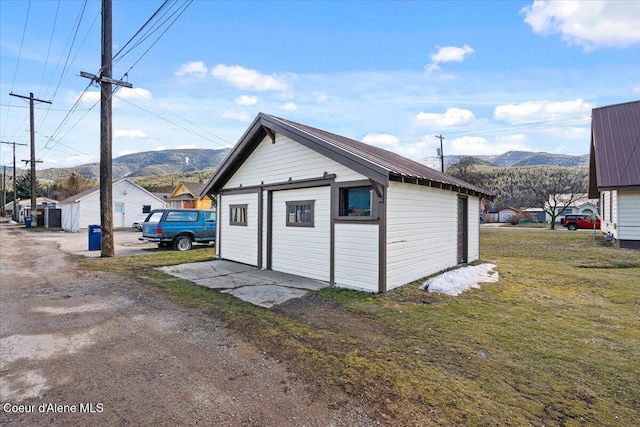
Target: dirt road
(86, 348)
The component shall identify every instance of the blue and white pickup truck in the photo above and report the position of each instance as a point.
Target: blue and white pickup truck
(180, 228)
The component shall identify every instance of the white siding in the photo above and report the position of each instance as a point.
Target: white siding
(609, 214)
(303, 251)
(474, 229)
(133, 198)
(421, 232)
(628, 215)
(79, 215)
(70, 216)
(272, 163)
(237, 242)
(356, 256)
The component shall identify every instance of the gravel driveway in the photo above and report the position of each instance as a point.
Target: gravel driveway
(86, 348)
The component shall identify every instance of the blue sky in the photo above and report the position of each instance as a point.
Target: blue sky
(489, 76)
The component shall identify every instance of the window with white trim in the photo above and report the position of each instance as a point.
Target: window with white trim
(300, 213)
(238, 215)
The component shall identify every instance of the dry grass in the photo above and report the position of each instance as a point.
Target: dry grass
(555, 342)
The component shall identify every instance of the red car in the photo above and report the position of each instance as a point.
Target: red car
(573, 222)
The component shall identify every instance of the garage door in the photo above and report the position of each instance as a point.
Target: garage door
(301, 232)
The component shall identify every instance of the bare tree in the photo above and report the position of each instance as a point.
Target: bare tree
(557, 189)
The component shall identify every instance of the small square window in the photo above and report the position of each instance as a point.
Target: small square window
(300, 213)
(238, 215)
(356, 201)
(146, 208)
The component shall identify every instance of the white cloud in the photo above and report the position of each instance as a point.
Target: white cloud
(186, 147)
(575, 133)
(476, 146)
(453, 117)
(320, 96)
(88, 97)
(194, 68)
(126, 152)
(133, 133)
(246, 100)
(289, 106)
(535, 111)
(589, 24)
(136, 92)
(636, 89)
(75, 160)
(448, 54)
(92, 97)
(245, 78)
(236, 115)
(383, 140)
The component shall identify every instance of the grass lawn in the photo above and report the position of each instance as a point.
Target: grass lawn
(555, 342)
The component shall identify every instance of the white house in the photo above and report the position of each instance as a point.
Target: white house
(614, 170)
(131, 203)
(300, 200)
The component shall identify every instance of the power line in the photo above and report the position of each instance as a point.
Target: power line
(176, 124)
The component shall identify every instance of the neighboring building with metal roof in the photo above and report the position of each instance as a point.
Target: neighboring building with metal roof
(304, 201)
(614, 170)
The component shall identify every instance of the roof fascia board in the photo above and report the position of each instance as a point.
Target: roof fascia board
(254, 134)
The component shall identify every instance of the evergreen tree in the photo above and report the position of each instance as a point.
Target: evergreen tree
(23, 186)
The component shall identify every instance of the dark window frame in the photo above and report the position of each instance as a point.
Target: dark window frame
(297, 203)
(243, 216)
(146, 209)
(341, 199)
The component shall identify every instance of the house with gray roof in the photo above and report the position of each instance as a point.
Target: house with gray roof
(300, 200)
(614, 170)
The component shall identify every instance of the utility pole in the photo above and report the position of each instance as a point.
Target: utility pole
(13, 211)
(106, 179)
(32, 132)
(4, 189)
(34, 186)
(441, 153)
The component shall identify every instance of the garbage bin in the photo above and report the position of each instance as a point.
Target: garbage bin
(95, 235)
(27, 221)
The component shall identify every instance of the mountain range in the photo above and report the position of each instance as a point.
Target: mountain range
(153, 163)
(145, 164)
(515, 159)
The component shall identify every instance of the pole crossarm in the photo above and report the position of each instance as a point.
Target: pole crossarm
(33, 162)
(104, 79)
(30, 98)
(13, 216)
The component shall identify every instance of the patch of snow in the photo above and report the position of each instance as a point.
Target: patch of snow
(457, 281)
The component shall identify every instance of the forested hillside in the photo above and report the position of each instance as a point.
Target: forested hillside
(521, 186)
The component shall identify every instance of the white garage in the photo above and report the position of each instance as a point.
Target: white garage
(304, 201)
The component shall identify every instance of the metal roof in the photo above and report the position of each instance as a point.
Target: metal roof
(615, 148)
(376, 163)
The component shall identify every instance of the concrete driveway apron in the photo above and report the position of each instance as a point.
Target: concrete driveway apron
(264, 288)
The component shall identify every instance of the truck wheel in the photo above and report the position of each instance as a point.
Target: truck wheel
(572, 227)
(182, 243)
